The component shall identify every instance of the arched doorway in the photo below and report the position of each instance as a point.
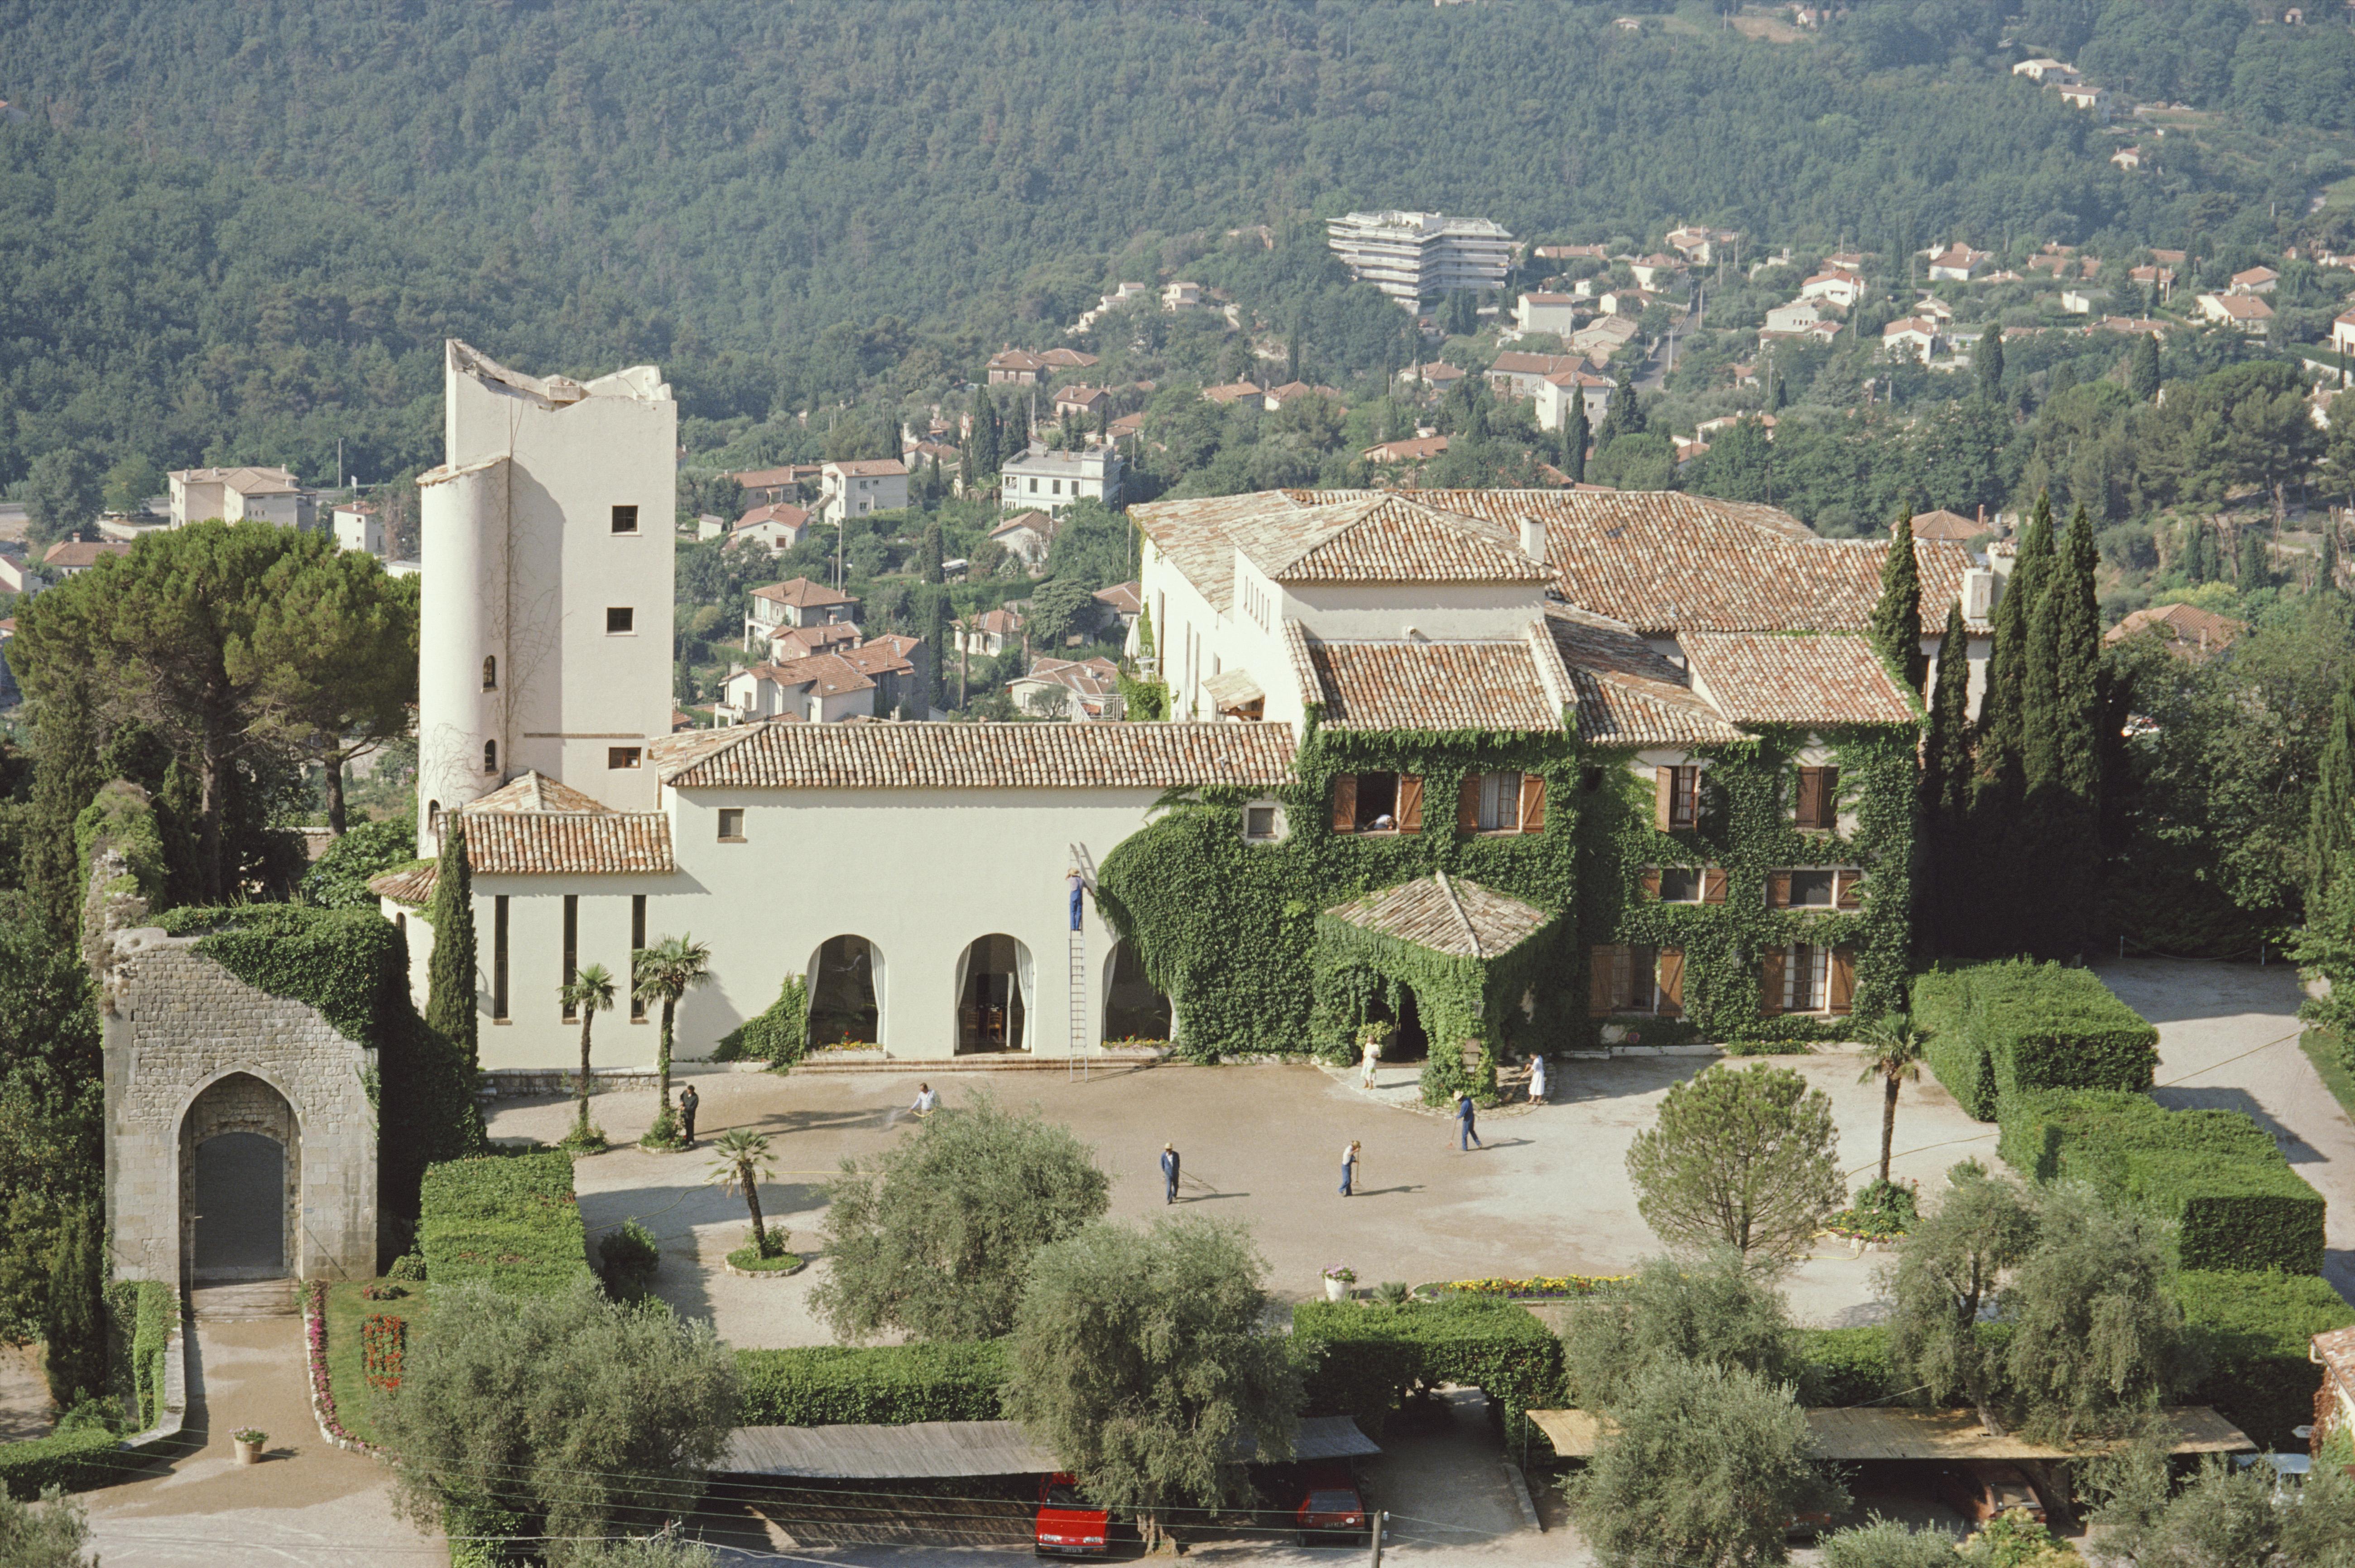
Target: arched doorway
(240, 1165)
(1133, 1009)
(846, 992)
(1406, 1041)
(995, 979)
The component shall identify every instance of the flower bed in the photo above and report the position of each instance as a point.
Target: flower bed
(341, 1342)
(323, 1389)
(1543, 1288)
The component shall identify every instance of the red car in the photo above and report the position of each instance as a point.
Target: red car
(1331, 1508)
(1069, 1525)
(1982, 1488)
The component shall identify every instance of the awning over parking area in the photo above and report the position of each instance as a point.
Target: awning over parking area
(1879, 1433)
(939, 1448)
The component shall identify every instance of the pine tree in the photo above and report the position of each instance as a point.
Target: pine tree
(2061, 755)
(1897, 616)
(1574, 438)
(2142, 369)
(1292, 346)
(1945, 790)
(450, 973)
(1989, 364)
(74, 1316)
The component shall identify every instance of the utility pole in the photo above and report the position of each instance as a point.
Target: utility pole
(1374, 1536)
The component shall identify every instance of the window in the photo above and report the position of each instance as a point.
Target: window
(626, 519)
(732, 825)
(1811, 890)
(623, 756)
(1806, 978)
(1262, 824)
(1059, 486)
(490, 674)
(1817, 806)
(621, 620)
(637, 940)
(1501, 803)
(571, 954)
(499, 959)
(1034, 487)
(1377, 803)
(1680, 885)
(1834, 887)
(433, 823)
(1637, 978)
(490, 757)
(1677, 803)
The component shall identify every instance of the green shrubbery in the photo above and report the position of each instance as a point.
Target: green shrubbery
(2007, 1028)
(628, 1258)
(888, 1385)
(1361, 1361)
(2216, 1172)
(75, 1459)
(143, 1310)
(1847, 1366)
(778, 1036)
(508, 1221)
(2253, 1329)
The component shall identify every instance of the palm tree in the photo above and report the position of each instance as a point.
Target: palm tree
(663, 974)
(1892, 1052)
(741, 1159)
(590, 992)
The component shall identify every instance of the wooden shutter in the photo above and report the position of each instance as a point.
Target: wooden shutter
(1808, 812)
(1410, 803)
(1345, 803)
(1598, 982)
(1843, 986)
(1532, 803)
(1665, 784)
(1770, 982)
(1712, 884)
(1848, 889)
(1827, 799)
(1651, 882)
(1778, 890)
(1672, 981)
(1467, 804)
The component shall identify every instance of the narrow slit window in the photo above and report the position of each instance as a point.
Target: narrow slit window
(571, 954)
(490, 757)
(500, 959)
(491, 673)
(637, 940)
(732, 825)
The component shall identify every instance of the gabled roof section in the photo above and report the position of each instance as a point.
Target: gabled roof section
(568, 843)
(411, 885)
(536, 791)
(1393, 540)
(1445, 687)
(988, 757)
(1628, 695)
(1447, 914)
(1771, 678)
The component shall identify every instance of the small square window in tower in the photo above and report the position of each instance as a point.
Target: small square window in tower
(626, 519)
(623, 756)
(621, 620)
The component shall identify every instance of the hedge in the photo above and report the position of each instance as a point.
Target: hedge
(509, 1220)
(2015, 1027)
(1847, 1366)
(889, 1385)
(76, 1460)
(2239, 1204)
(155, 1308)
(2255, 1328)
(1360, 1361)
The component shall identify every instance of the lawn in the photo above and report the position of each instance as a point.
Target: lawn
(346, 1309)
(2322, 1048)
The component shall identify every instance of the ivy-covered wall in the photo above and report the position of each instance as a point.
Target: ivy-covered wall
(1746, 829)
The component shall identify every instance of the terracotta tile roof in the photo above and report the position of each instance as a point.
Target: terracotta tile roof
(1756, 678)
(989, 757)
(783, 511)
(412, 885)
(997, 622)
(253, 479)
(1512, 362)
(1039, 522)
(1394, 540)
(1124, 598)
(536, 791)
(1628, 695)
(789, 642)
(1415, 449)
(877, 657)
(1233, 392)
(870, 468)
(1089, 677)
(1948, 526)
(2188, 626)
(802, 594)
(1067, 358)
(1447, 914)
(1016, 359)
(1438, 686)
(75, 554)
(2336, 1351)
(828, 674)
(568, 843)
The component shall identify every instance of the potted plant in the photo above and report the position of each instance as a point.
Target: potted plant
(1337, 1280)
(249, 1441)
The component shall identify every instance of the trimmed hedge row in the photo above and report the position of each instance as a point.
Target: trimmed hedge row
(2255, 1328)
(888, 1385)
(1360, 1361)
(1847, 1366)
(151, 1317)
(76, 1460)
(2238, 1204)
(2016, 1026)
(507, 1220)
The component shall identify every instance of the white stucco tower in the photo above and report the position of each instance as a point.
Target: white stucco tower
(546, 641)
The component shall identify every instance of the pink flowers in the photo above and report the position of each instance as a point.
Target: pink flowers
(323, 1393)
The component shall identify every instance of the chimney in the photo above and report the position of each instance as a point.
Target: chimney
(1982, 516)
(1533, 538)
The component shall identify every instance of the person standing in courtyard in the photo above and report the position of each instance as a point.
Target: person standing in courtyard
(1348, 1168)
(1467, 1137)
(687, 1100)
(1169, 1172)
(1373, 1055)
(1536, 1080)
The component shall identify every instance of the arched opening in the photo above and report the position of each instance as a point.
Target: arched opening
(241, 1159)
(995, 978)
(434, 824)
(490, 757)
(490, 673)
(846, 992)
(1133, 1009)
(1407, 1041)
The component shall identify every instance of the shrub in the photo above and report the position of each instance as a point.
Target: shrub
(2216, 1172)
(77, 1460)
(629, 1258)
(339, 878)
(887, 1385)
(2253, 1329)
(778, 1036)
(1845, 1366)
(1360, 1363)
(509, 1220)
(2007, 1028)
(141, 1312)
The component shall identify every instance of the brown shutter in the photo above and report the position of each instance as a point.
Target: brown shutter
(1770, 982)
(1809, 811)
(1345, 803)
(1672, 981)
(1665, 783)
(1598, 982)
(1410, 803)
(1467, 804)
(1651, 882)
(1778, 890)
(1532, 803)
(1843, 980)
(1713, 885)
(1848, 889)
(1828, 798)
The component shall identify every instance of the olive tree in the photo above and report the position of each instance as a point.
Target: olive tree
(1144, 1361)
(1880, 1542)
(1949, 1271)
(934, 1236)
(1716, 1311)
(1742, 1160)
(2097, 1338)
(566, 1417)
(50, 1534)
(2222, 1515)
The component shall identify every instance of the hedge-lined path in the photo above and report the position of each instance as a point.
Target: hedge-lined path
(2228, 1038)
(307, 1503)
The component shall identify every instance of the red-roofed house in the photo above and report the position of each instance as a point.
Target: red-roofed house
(2188, 630)
(2245, 313)
(796, 602)
(777, 526)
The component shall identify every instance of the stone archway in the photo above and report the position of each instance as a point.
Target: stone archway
(240, 1182)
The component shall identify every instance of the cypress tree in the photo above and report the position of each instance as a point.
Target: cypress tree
(1575, 435)
(449, 972)
(2256, 566)
(2061, 755)
(928, 552)
(2325, 574)
(1997, 783)
(1988, 361)
(1946, 790)
(2331, 829)
(2142, 369)
(74, 1316)
(1626, 416)
(1897, 616)
(936, 642)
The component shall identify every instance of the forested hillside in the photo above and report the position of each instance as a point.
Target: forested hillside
(236, 229)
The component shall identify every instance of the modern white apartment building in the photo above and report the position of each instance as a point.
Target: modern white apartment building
(1052, 481)
(239, 494)
(1410, 256)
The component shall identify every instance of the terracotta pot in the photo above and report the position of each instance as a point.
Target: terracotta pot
(247, 1453)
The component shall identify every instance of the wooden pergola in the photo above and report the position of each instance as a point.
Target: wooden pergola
(1879, 1431)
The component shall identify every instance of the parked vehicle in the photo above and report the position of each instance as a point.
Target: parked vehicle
(1979, 1489)
(1331, 1509)
(1069, 1525)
